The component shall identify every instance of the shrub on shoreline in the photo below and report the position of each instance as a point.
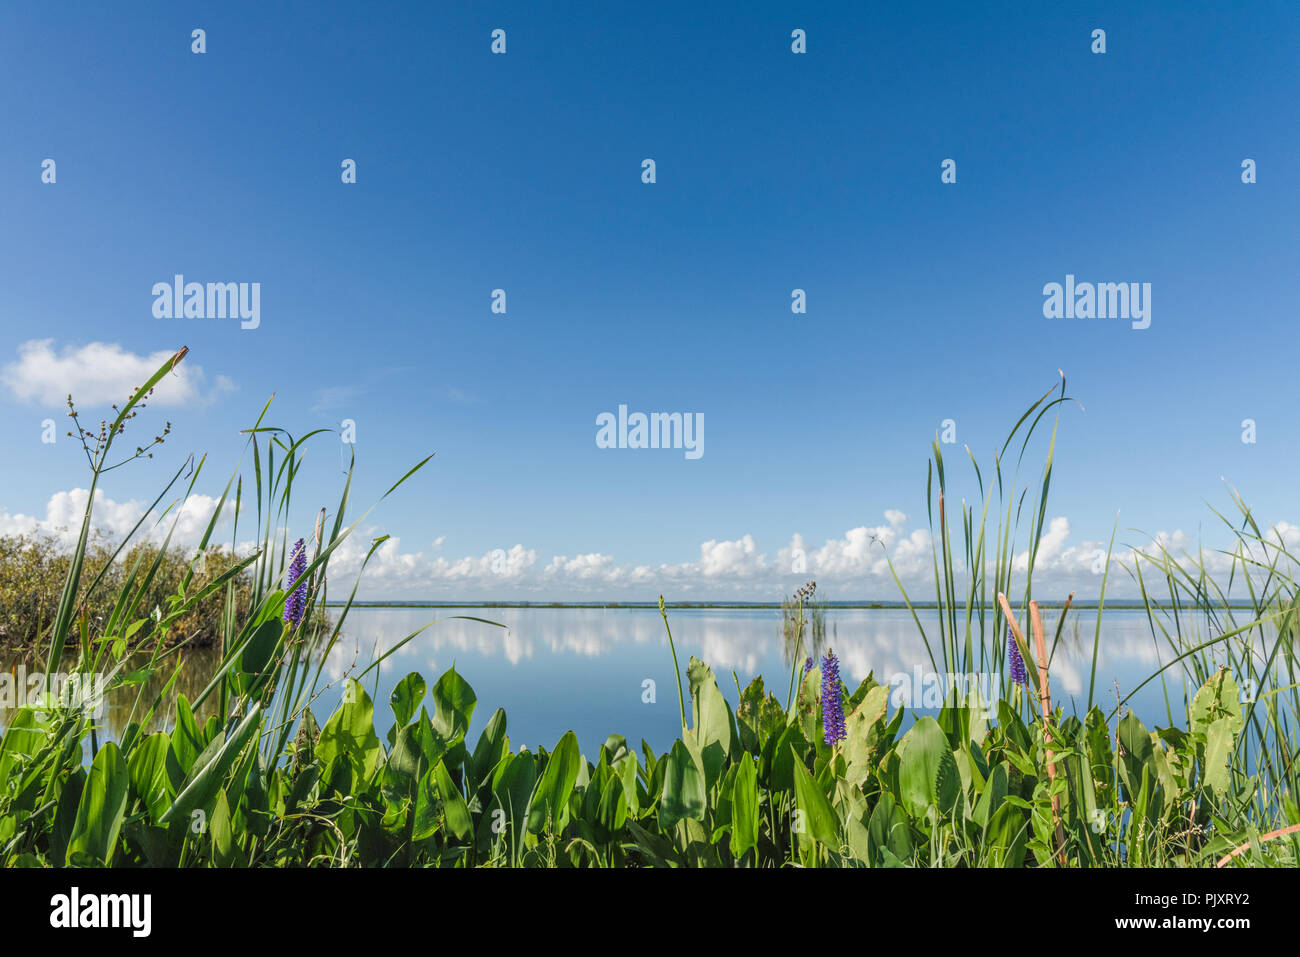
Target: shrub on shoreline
(33, 569)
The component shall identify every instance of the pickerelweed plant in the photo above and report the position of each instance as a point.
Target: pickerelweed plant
(244, 774)
(1015, 662)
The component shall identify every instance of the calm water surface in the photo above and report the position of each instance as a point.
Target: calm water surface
(585, 669)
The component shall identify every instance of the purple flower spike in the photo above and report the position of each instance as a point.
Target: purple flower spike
(832, 700)
(295, 603)
(807, 666)
(1016, 662)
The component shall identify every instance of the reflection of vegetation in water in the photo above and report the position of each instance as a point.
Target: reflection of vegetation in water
(803, 632)
(186, 671)
(187, 675)
(794, 624)
(803, 625)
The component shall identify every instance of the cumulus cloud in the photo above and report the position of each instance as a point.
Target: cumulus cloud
(101, 373)
(738, 559)
(856, 564)
(1050, 546)
(186, 520)
(580, 567)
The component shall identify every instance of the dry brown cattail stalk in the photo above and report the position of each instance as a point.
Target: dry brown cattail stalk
(1044, 701)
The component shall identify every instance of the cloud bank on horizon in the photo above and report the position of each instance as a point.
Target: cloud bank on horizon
(855, 566)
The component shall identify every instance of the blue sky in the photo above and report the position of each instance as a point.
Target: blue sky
(775, 171)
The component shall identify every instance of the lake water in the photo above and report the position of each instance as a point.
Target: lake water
(585, 669)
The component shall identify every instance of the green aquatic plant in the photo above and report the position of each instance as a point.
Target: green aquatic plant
(749, 788)
(242, 773)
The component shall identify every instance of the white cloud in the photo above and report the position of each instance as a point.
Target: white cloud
(728, 560)
(113, 519)
(101, 373)
(1050, 546)
(581, 567)
(856, 565)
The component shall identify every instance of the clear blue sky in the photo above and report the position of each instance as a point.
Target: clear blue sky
(774, 171)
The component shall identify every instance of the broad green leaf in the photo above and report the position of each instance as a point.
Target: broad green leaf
(927, 772)
(351, 730)
(627, 772)
(611, 809)
(556, 785)
(148, 768)
(1218, 698)
(65, 815)
(259, 655)
(220, 830)
(102, 806)
(1135, 745)
(744, 807)
(202, 789)
(855, 818)
(186, 739)
(865, 734)
(454, 809)
(889, 835)
(427, 806)
(1006, 835)
(814, 815)
(808, 705)
(789, 747)
(512, 789)
(683, 794)
(491, 747)
(712, 720)
(1219, 737)
(406, 697)
(405, 764)
(991, 798)
(453, 701)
